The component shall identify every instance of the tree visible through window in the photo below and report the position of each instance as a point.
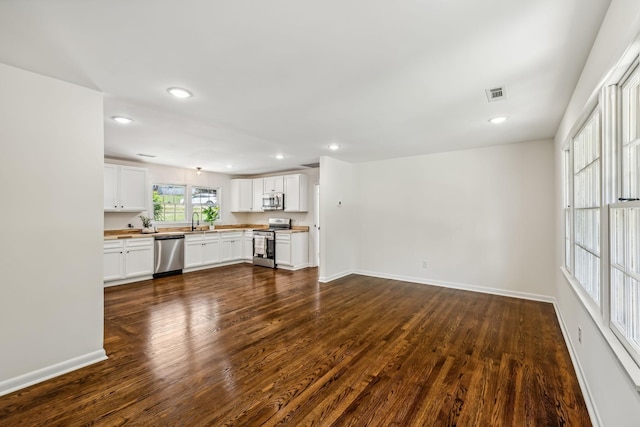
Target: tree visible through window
(168, 203)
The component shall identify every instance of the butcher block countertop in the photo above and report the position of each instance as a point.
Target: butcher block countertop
(133, 233)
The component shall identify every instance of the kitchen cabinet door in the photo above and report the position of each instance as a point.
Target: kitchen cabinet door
(241, 195)
(193, 252)
(138, 257)
(210, 250)
(274, 184)
(111, 179)
(247, 246)
(258, 192)
(133, 188)
(231, 247)
(113, 260)
(283, 249)
(125, 188)
(295, 193)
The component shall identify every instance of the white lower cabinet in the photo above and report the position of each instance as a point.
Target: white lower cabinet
(201, 249)
(292, 250)
(127, 258)
(231, 246)
(247, 246)
(283, 249)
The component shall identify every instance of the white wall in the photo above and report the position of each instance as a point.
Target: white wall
(159, 174)
(616, 401)
(51, 295)
(338, 219)
(480, 218)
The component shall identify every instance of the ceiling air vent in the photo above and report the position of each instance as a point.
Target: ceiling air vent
(311, 165)
(496, 94)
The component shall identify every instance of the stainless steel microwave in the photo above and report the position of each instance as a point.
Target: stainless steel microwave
(273, 202)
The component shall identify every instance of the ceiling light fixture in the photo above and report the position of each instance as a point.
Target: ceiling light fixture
(498, 120)
(279, 156)
(229, 166)
(122, 120)
(198, 170)
(178, 92)
(334, 147)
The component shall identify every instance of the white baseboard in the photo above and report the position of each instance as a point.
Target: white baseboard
(461, 286)
(584, 385)
(31, 378)
(328, 279)
(293, 267)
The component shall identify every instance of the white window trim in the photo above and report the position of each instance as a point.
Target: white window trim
(188, 207)
(170, 223)
(607, 94)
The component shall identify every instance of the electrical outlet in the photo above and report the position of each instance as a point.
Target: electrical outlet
(424, 264)
(579, 334)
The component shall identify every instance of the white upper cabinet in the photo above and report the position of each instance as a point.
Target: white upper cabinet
(246, 194)
(124, 188)
(242, 195)
(274, 184)
(296, 198)
(258, 192)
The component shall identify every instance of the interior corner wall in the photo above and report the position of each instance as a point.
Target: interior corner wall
(51, 293)
(479, 219)
(613, 397)
(338, 208)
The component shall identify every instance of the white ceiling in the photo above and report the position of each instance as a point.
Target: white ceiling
(382, 78)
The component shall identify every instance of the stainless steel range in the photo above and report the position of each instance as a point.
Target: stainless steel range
(264, 242)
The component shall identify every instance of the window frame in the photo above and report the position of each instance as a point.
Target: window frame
(595, 112)
(609, 98)
(153, 203)
(191, 207)
(188, 203)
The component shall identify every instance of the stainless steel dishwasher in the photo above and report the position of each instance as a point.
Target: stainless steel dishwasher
(169, 255)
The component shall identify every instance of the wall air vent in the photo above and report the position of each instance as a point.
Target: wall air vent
(496, 94)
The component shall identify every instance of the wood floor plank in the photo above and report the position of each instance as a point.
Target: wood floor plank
(251, 346)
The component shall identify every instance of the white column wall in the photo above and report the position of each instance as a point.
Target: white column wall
(338, 216)
(51, 294)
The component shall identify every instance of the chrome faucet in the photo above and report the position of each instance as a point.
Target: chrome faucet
(193, 227)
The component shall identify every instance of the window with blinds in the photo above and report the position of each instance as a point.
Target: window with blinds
(586, 211)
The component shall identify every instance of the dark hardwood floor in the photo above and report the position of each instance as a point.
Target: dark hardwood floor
(250, 346)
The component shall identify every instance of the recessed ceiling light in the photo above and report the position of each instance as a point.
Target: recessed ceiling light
(498, 120)
(279, 156)
(229, 166)
(178, 92)
(334, 147)
(122, 120)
